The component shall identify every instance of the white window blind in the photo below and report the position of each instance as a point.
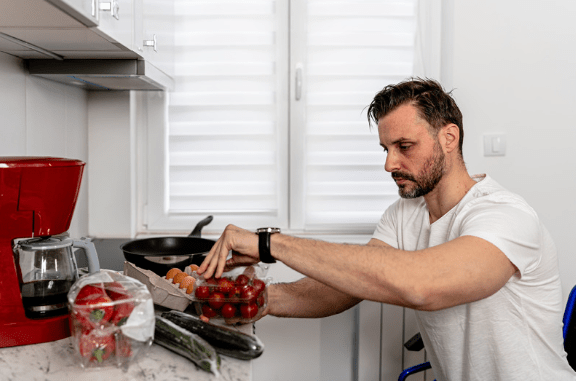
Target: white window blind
(349, 51)
(267, 124)
(226, 119)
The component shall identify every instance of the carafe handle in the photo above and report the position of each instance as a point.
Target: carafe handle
(90, 251)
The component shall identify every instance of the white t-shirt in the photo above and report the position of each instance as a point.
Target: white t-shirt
(515, 334)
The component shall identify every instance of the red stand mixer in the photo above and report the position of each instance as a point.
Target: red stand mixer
(37, 199)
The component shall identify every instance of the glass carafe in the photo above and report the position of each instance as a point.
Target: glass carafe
(47, 269)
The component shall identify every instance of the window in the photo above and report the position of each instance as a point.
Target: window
(267, 123)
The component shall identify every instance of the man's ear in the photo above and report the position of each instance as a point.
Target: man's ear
(450, 137)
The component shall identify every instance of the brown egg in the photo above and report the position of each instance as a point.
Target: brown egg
(172, 272)
(190, 288)
(179, 277)
(186, 282)
(193, 267)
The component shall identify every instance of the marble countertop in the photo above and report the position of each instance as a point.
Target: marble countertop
(55, 361)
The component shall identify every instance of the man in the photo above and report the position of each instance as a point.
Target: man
(471, 258)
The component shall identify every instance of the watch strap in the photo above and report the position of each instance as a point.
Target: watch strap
(264, 244)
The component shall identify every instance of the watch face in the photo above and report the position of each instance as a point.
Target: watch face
(269, 230)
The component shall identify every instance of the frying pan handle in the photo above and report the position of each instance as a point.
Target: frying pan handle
(198, 229)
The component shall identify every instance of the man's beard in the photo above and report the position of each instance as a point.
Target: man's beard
(428, 178)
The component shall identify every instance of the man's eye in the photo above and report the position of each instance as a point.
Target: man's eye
(404, 147)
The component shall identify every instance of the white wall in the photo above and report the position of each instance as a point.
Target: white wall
(514, 72)
(43, 118)
(512, 65)
(110, 142)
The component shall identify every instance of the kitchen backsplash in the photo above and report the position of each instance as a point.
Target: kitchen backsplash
(44, 118)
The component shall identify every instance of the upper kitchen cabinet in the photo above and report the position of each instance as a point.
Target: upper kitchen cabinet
(64, 30)
(116, 22)
(38, 29)
(154, 26)
(85, 11)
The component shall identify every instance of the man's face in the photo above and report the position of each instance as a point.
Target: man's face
(415, 158)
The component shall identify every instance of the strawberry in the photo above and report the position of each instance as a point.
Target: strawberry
(123, 346)
(93, 307)
(122, 310)
(96, 346)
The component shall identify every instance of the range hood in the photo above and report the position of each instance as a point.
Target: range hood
(102, 74)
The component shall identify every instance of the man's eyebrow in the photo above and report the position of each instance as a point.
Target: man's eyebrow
(399, 140)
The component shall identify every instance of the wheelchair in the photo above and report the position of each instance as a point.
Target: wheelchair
(568, 332)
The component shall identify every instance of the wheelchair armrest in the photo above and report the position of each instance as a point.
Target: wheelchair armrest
(414, 369)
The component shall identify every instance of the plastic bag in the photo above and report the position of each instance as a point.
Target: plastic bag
(111, 319)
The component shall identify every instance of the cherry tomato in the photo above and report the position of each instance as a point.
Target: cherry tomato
(235, 294)
(216, 300)
(258, 285)
(248, 310)
(208, 311)
(202, 292)
(249, 294)
(225, 285)
(242, 280)
(261, 301)
(228, 310)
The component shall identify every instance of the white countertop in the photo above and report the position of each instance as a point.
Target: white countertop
(55, 361)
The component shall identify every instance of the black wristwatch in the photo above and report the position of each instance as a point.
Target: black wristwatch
(264, 243)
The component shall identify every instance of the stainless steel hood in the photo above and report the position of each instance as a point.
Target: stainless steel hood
(102, 74)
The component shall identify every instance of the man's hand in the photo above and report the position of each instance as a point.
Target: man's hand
(244, 247)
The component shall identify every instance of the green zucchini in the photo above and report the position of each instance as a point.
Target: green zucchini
(187, 344)
(226, 341)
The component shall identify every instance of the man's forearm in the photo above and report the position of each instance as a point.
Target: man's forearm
(307, 298)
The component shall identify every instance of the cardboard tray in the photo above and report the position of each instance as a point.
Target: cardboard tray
(163, 292)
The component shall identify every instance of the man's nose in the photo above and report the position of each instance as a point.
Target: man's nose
(391, 163)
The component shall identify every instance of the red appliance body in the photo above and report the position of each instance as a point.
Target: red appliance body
(37, 198)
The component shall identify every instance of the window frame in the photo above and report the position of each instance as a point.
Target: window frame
(153, 218)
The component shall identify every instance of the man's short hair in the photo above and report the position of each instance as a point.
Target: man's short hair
(434, 104)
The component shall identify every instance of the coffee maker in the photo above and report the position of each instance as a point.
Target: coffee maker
(37, 200)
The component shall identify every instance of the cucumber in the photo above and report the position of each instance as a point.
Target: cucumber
(226, 341)
(187, 344)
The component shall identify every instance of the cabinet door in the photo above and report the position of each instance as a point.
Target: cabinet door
(85, 11)
(116, 21)
(157, 28)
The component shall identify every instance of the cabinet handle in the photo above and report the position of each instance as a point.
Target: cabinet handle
(151, 43)
(113, 7)
(298, 82)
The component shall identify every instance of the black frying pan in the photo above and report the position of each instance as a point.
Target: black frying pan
(161, 254)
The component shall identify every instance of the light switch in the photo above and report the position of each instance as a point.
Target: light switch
(495, 145)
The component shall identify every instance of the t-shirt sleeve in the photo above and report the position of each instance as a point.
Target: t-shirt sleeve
(386, 230)
(514, 229)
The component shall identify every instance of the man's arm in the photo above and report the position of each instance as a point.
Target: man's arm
(308, 298)
(457, 272)
(460, 271)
